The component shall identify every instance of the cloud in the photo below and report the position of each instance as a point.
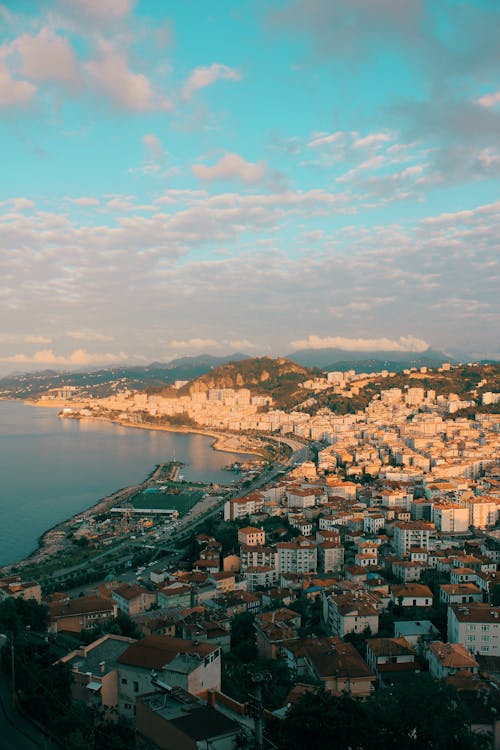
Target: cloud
(231, 167)
(489, 100)
(372, 139)
(353, 29)
(19, 204)
(202, 77)
(37, 340)
(111, 76)
(98, 10)
(195, 343)
(153, 147)
(79, 357)
(46, 57)
(14, 93)
(326, 139)
(403, 344)
(85, 335)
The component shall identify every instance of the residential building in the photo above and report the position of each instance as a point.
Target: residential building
(476, 626)
(447, 659)
(193, 666)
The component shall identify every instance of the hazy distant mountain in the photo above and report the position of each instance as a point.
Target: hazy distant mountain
(340, 359)
(104, 381)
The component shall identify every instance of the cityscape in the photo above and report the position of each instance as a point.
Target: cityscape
(249, 375)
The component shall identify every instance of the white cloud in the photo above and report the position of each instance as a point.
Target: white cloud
(79, 357)
(85, 335)
(37, 340)
(111, 76)
(195, 343)
(326, 139)
(489, 100)
(20, 204)
(403, 344)
(14, 93)
(154, 148)
(202, 77)
(46, 57)
(231, 167)
(372, 139)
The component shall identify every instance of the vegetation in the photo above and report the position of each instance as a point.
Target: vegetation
(392, 719)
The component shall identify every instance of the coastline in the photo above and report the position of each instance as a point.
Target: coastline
(53, 540)
(223, 441)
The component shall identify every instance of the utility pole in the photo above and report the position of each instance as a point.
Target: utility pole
(257, 708)
(13, 669)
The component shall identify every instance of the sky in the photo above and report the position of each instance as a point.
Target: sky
(257, 176)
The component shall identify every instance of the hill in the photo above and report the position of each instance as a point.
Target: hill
(278, 378)
(106, 381)
(394, 361)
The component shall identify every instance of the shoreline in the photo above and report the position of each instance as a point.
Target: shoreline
(50, 542)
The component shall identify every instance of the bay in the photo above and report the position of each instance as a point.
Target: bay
(52, 468)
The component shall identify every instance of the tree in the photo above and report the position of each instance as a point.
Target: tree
(393, 719)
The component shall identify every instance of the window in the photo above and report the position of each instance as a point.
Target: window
(124, 681)
(136, 687)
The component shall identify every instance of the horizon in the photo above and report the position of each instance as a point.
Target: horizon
(268, 178)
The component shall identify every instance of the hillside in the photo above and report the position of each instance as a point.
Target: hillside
(106, 381)
(469, 382)
(394, 361)
(278, 378)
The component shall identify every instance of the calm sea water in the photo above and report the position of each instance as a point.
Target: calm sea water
(52, 468)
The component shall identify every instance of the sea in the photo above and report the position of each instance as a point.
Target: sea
(53, 468)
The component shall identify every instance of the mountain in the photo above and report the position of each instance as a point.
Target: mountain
(105, 381)
(341, 359)
(278, 378)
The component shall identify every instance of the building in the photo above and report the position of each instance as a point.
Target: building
(94, 671)
(412, 534)
(386, 656)
(174, 719)
(193, 666)
(14, 586)
(82, 613)
(349, 613)
(132, 599)
(251, 536)
(411, 595)
(336, 665)
(476, 626)
(446, 659)
(299, 556)
(459, 593)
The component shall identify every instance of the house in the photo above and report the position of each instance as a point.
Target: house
(94, 671)
(275, 629)
(252, 536)
(79, 614)
(459, 593)
(476, 626)
(193, 666)
(447, 659)
(411, 595)
(416, 632)
(331, 556)
(19, 589)
(349, 613)
(132, 599)
(336, 665)
(174, 719)
(260, 576)
(389, 655)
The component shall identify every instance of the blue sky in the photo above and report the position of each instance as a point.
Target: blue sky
(256, 176)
